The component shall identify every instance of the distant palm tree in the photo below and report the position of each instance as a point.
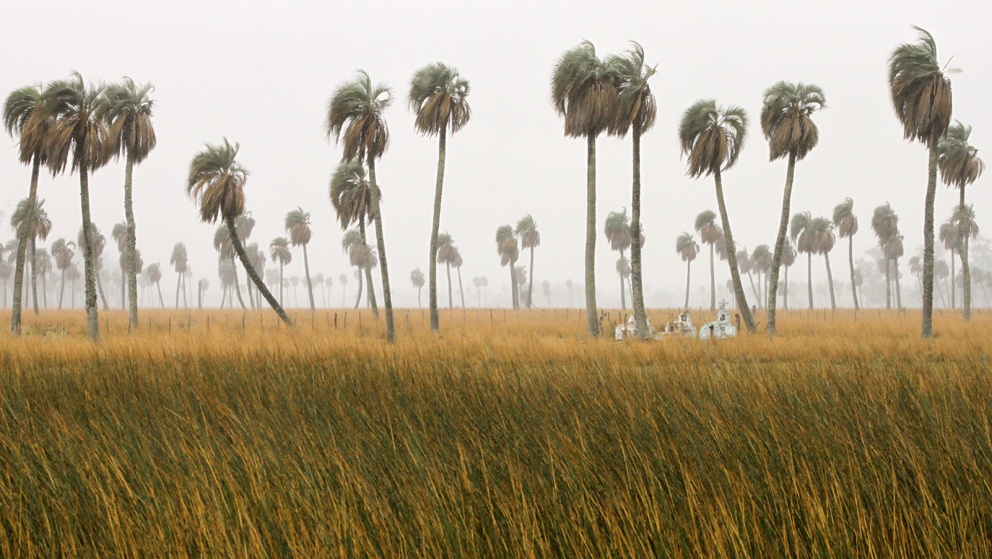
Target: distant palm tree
(279, 251)
(201, 288)
(438, 97)
(5, 272)
(847, 225)
(456, 263)
(788, 259)
(506, 246)
(257, 258)
(98, 242)
(893, 251)
(356, 109)
(761, 262)
(744, 266)
(709, 234)
(154, 274)
(217, 183)
(546, 289)
(417, 278)
(623, 270)
(636, 111)
(823, 242)
(127, 109)
(179, 261)
(120, 237)
(921, 96)
(885, 224)
(960, 166)
(224, 245)
(530, 238)
(63, 251)
(712, 138)
(295, 281)
(351, 197)
(30, 224)
(481, 285)
(343, 279)
(318, 280)
(687, 249)
(298, 227)
(446, 251)
(361, 256)
(940, 272)
(803, 237)
(584, 90)
(43, 263)
(617, 231)
(786, 122)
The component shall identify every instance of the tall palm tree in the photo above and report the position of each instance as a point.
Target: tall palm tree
(963, 219)
(509, 251)
(823, 242)
(960, 166)
(803, 237)
(31, 223)
(43, 264)
(351, 198)
(893, 251)
(298, 227)
(23, 119)
(618, 234)
(530, 238)
(279, 251)
(417, 278)
(127, 110)
(847, 225)
(179, 261)
(356, 110)
(709, 234)
(217, 183)
(584, 90)
(438, 98)
(120, 236)
(885, 224)
(361, 256)
(446, 251)
(687, 249)
(786, 122)
(712, 138)
(154, 274)
(636, 112)
(63, 251)
(76, 131)
(456, 263)
(623, 271)
(921, 97)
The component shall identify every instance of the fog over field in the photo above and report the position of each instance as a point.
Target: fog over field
(261, 74)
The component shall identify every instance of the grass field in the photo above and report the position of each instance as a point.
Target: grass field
(512, 435)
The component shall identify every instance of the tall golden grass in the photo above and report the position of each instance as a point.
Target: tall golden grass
(505, 437)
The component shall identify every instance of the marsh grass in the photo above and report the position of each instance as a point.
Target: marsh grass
(515, 437)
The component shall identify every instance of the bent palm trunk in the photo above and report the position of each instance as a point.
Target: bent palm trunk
(783, 225)
(252, 275)
(237, 284)
(22, 247)
(850, 264)
(830, 282)
(735, 274)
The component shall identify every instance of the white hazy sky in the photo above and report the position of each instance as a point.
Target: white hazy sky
(260, 73)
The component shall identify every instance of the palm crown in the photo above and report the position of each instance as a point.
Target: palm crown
(920, 92)
(528, 233)
(217, 182)
(279, 250)
(686, 247)
(617, 230)
(786, 118)
(844, 218)
(350, 193)
(706, 226)
(958, 160)
(438, 97)
(506, 245)
(31, 222)
(22, 118)
(356, 110)
(584, 91)
(298, 226)
(127, 109)
(636, 105)
(712, 136)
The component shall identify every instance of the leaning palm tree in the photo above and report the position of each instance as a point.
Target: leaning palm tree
(823, 242)
(23, 119)
(921, 97)
(128, 112)
(709, 234)
(179, 261)
(960, 166)
(636, 112)
(584, 90)
(847, 225)
(217, 183)
(787, 125)
(76, 131)
(417, 279)
(31, 223)
(356, 110)
(279, 251)
(446, 251)
(712, 138)
(438, 97)
(802, 236)
(351, 197)
(617, 231)
(687, 249)
(530, 238)
(506, 246)
(885, 224)
(298, 227)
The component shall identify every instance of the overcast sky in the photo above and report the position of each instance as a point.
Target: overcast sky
(261, 73)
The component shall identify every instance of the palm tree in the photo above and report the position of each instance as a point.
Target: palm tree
(823, 242)
(446, 251)
(43, 264)
(456, 263)
(546, 290)
(687, 249)
(298, 227)
(120, 236)
(803, 237)
(481, 284)
(23, 119)
(636, 111)
(361, 256)
(761, 262)
(744, 266)
(949, 236)
(417, 278)
(530, 238)
(617, 231)
(279, 251)
(623, 270)
(72, 274)
(201, 288)
(63, 251)
(351, 197)
(712, 138)
(506, 246)
(940, 272)
(584, 90)
(31, 223)
(921, 96)
(127, 110)
(847, 225)
(786, 122)
(893, 251)
(224, 245)
(438, 98)
(885, 224)
(5, 272)
(217, 183)
(709, 234)
(788, 259)
(179, 261)
(154, 274)
(356, 109)
(98, 242)
(963, 219)
(960, 166)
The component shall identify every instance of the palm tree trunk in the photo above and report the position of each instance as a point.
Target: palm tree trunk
(448, 267)
(513, 284)
(306, 270)
(158, 286)
(281, 288)
(927, 327)
(965, 268)
(530, 286)
(103, 296)
(590, 257)
(636, 276)
(623, 299)
(34, 275)
(783, 225)
(953, 294)
(223, 296)
(179, 283)
(237, 284)
(132, 241)
(62, 289)
(252, 275)
(688, 267)
(420, 289)
(387, 298)
(435, 228)
(370, 287)
(358, 300)
(895, 263)
(850, 264)
(712, 279)
(461, 292)
(92, 318)
(888, 284)
(809, 277)
(785, 290)
(830, 282)
(754, 290)
(735, 275)
(22, 247)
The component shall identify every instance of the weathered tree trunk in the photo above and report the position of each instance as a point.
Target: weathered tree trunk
(590, 258)
(461, 292)
(688, 267)
(306, 270)
(370, 287)
(448, 267)
(850, 264)
(358, 300)
(927, 326)
(92, 318)
(636, 274)
(179, 283)
(387, 298)
(735, 275)
(530, 285)
(22, 247)
(132, 241)
(783, 225)
(62, 290)
(435, 228)
(895, 264)
(513, 284)
(103, 296)
(830, 282)
(888, 284)
(252, 275)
